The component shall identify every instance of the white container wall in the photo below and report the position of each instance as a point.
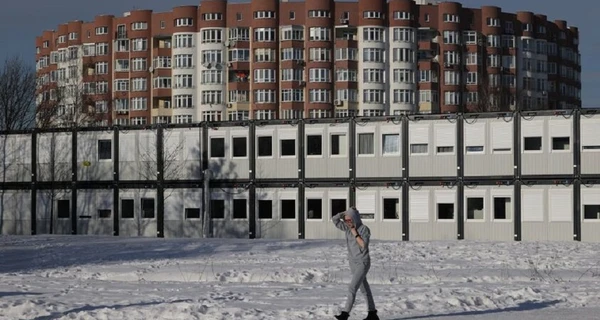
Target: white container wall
(381, 211)
(378, 150)
(590, 213)
(137, 155)
(95, 156)
(181, 154)
(16, 212)
(590, 144)
(489, 147)
(320, 205)
(229, 212)
(489, 213)
(547, 145)
(183, 213)
(54, 156)
(432, 148)
(326, 150)
(137, 213)
(53, 206)
(228, 153)
(432, 213)
(276, 213)
(276, 152)
(15, 157)
(95, 212)
(547, 213)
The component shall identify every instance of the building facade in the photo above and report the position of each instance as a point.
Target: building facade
(269, 59)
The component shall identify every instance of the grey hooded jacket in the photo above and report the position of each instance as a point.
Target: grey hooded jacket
(355, 252)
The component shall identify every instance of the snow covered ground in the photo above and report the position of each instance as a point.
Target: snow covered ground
(90, 277)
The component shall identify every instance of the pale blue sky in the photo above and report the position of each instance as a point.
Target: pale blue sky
(21, 21)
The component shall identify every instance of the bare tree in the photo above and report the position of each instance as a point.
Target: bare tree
(494, 96)
(173, 161)
(17, 112)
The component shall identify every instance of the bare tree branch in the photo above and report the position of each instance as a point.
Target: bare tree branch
(17, 95)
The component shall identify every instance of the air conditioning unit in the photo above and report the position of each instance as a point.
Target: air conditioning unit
(338, 102)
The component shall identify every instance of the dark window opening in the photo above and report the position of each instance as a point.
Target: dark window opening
(337, 206)
(314, 208)
(502, 208)
(533, 143)
(104, 213)
(217, 209)
(192, 213)
(445, 211)
(265, 146)
(217, 147)
(288, 147)
(474, 208)
(147, 208)
(127, 208)
(560, 143)
(591, 211)
(104, 149)
(240, 210)
(391, 208)
(288, 209)
(314, 146)
(265, 209)
(63, 209)
(239, 147)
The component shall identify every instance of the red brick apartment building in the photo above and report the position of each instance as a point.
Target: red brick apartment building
(269, 59)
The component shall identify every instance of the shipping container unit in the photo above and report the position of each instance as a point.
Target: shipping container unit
(53, 206)
(489, 212)
(137, 155)
(137, 212)
(276, 151)
(547, 212)
(95, 208)
(590, 142)
(277, 213)
(95, 159)
(15, 157)
(16, 212)
(54, 156)
(590, 211)
(320, 205)
(181, 153)
(378, 149)
(380, 208)
(227, 150)
(432, 146)
(488, 145)
(432, 212)
(546, 144)
(229, 213)
(326, 150)
(183, 213)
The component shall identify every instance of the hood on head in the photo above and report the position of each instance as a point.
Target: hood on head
(354, 215)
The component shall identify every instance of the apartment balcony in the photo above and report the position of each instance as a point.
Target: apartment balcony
(161, 92)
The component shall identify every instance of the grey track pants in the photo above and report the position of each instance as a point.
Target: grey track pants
(359, 280)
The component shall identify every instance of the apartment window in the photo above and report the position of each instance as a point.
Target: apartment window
(238, 96)
(338, 144)
(265, 35)
(344, 75)
(265, 96)
(212, 76)
(451, 18)
(295, 33)
(494, 60)
(122, 85)
(139, 26)
(373, 34)
(472, 78)
(428, 96)
(239, 34)
(320, 54)
(101, 67)
(350, 95)
(239, 55)
(211, 56)
(183, 101)
(319, 96)
(138, 121)
(101, 49)
(264, 14)
(374, 75)
(139, 103)
(184, 22)
(292, 95)
(162, 82)
(212, 97)
(139, 84)
(319, 34)
(452, 98)
(73, 35)
(140, 44)
(292, 15)
(374, 55)
(404, 96)
(346, 54)
(162, 62)
(372, 15)
(213, 115)
(101, 30)
(264, 75)
(184, 41)
(403, 55)
(212, 35)
(183, 81)
(139, 64)
(314, 145)
(404, 34)
(122, 45)
(264, 114)
(101, 106)
(319, 75)
(183, 118)
(213, 16)
(452, 37)
(183, 61)
(451, 77)
(493, 41)
(292, 54)
(319, 14)
(265, 146)
(493, 22)
(265, 55)
(239, 149)
(402, 15)
(121, 65)
(374, 96)
(104, 149)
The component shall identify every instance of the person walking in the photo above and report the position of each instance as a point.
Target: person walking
(357, 242)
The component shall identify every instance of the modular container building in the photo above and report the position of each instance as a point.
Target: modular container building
(95, 209)
(54, 151)
(321, 204)
(53, 211)
(137, 212)
(432, 147)
(95, 158)
(489, 212)
(277, 152)
(590, 144)
(137, 155)
(590, 212)
(229, 213)
(228, 152)
(277, 213)
(547, 212)
(379, 149)
(327, 150)
(432, 212)
(381, 209)
(184, 212)
(488, 146)
(16, 211)
(15, 160)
